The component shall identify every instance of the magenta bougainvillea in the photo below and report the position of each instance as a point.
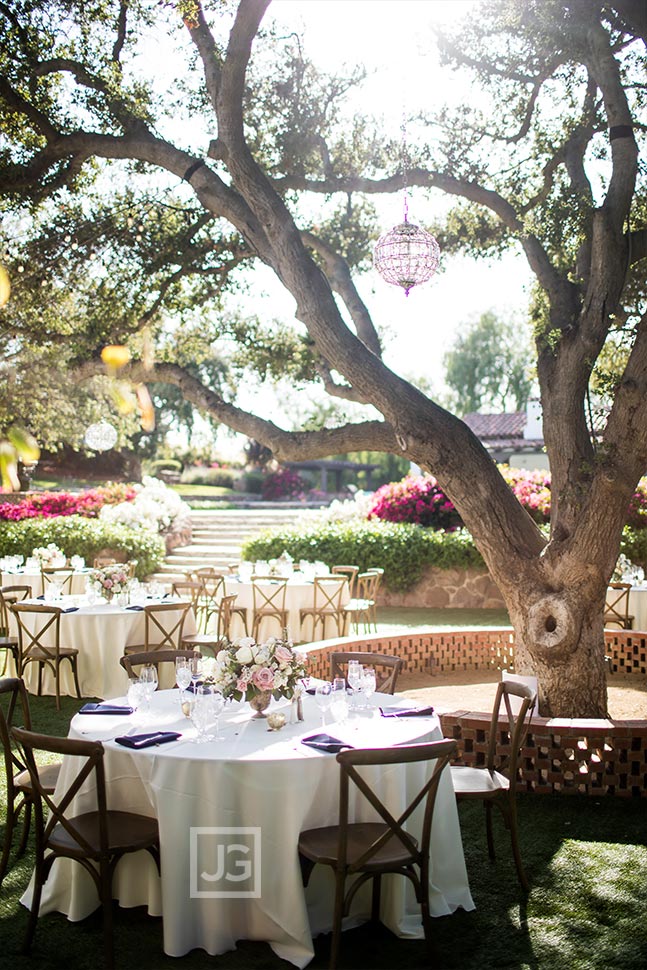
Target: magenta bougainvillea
(283, 483)
(44, 505)
(417, 499)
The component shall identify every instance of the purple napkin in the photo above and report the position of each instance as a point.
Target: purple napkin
(324, 742)
(95, 708)
(406, 712)
(71, 609)
(134, 607)
(147, 740)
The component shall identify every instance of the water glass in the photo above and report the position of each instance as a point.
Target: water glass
(182, 672)
(339, 705)
(354, 678)
(323, 698)
(148, 680)
(202, 713)
(369, 685)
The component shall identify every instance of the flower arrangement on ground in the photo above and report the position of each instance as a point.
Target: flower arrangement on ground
(111, 580)
(49, 555)
(246, 668)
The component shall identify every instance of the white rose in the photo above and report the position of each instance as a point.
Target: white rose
(244, 655)
(222, 656)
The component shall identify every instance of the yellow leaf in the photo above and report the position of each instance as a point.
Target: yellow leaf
(123, 397)
(115, 356)
(5, 286)
(24, 443)
(9, 467)
(146, 408)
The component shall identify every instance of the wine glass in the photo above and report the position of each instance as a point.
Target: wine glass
(202, 713)
(369, 684)
(339, 705)
(195, 666)
(148, 679)
(323, 698)
(217, 707)
(354, 678)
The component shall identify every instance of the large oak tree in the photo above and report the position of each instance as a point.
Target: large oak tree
(552, 167)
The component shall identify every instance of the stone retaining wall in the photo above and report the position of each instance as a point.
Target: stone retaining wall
(464, 588)
(561, 755)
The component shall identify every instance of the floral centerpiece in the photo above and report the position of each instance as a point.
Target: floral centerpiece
(249, 669)
(49, 555)
(111, 580)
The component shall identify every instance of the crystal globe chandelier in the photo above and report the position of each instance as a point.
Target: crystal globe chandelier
(406, 255)
(101, 436)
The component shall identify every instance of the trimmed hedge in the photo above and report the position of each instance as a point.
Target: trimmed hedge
(80, 536)
(402, 550)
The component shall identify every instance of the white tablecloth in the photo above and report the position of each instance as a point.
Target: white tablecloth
(35, 580)
(299, 595)
(638, 606)
(100, 633)
(253, 779)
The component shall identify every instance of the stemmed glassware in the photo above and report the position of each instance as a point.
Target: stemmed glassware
(354, 678)
(323, 698)
(182, 677)
(339, 705)
(195, 666)
(369, 685)
(148, 680)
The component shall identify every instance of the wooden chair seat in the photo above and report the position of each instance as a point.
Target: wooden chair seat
(476, 783)
(126, 832)
(48, 776)
(322, 845)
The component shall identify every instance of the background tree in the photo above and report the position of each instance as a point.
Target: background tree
(551, 168)
(489, 366)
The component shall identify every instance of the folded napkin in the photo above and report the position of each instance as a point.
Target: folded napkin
(406, 712)
(324, 742)
(71, 609)
(95, 708)
(310, 684)
(147, 740)
(134, 607)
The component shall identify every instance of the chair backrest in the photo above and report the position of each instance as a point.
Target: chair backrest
(50, 808)
(212, 581)
(131, 566)
(17, 707)
(187, 589)
(8, 596)
(154, 657)
(100, 561)
(44, 631)
(164, 624)
(616, 609)
(531, 681)
(438, 752)
(351, 573)
(328, 591)
(225, 614)
(60, 576)
(367, 584)
(386, 678)
(509, 738)
(268, 594)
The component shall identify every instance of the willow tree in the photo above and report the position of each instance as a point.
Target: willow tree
(551, 167)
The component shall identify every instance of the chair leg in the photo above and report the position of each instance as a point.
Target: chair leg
(488, 829)
(12, 816)
(516, 850)
(337, 919)
(34, 909)
(26, 825)
(40, 678)
(75, 671)
(105, 877)
(375, 901)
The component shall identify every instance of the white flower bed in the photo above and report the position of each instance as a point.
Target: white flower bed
(155, 508)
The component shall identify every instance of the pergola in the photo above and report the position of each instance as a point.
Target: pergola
(324, 466)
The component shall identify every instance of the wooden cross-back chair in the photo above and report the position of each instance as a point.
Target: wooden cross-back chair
(97, 840)
(14, 709)
(213, 589)
(368, 850)
(327, 604)
(163, 625)
(387, 667)
(362, 607)
(221, 636)
(495, 783)
(350, 572)
(268, 599)
(616, 609)
(39, 642)
(60, 576)
(9, 643)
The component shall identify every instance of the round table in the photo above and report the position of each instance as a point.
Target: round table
(230, 813)
(18, 577)
(299, 595)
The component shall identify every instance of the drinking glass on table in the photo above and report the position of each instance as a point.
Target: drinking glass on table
(323, 698)
(354, 678)
(339, 705)
(202, 713)
(195, 666)
(182, 674)
(148, 680)
(369, 685)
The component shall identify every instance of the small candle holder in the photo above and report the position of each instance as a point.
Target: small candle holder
(275, 721)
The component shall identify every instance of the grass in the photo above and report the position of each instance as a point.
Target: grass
(587, 909)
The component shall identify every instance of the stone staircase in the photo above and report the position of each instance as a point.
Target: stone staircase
(218, 537)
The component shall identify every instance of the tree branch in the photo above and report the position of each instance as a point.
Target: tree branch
(206, 46)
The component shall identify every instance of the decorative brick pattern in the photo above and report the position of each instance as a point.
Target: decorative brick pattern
(561, 755)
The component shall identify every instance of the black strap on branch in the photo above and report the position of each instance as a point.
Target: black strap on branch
(192, 169)
(620, 131)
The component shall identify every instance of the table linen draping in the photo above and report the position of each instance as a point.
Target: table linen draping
(253, 779)
(18, 577)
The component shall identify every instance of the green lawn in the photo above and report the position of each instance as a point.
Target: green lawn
(587, 909)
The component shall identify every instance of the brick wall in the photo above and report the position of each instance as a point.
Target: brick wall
(561, 755)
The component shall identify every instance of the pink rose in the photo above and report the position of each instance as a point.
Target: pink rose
(241, 685)
(263, 678)
(283, 655)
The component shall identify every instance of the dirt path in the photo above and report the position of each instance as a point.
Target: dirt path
(475, 691)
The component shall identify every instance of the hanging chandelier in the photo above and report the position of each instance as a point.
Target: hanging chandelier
(406, 255)
(101, 436)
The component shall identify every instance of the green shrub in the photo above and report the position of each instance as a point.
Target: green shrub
(79, 536)
(252, 482)
(633, 545)
(221, 477)
(402, 550)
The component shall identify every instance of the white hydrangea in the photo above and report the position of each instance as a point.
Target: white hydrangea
(352, 508)
(155, 508)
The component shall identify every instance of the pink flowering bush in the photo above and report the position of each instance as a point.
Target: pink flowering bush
(44, 505)
(283, 483)
(532, 488)
(416, 499)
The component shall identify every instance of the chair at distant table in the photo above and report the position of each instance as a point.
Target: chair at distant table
(616, 610)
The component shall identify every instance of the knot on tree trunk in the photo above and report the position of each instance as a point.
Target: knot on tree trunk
(552, 630)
